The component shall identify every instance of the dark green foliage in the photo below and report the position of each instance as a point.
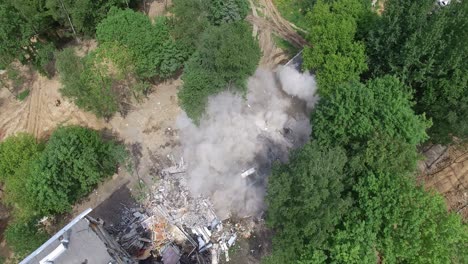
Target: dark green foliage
(154, 50)
(42, 61)
(16, 151)
(227, 11)
(15, 36)
(305, 200)
(354, 114)
(74, 160)
(334, 54)
(28, 28)
(188, 23)
(48, 17)
(426, 46)
(18, 41)
(84, 14)
(24, 237)
(227, 56)
(411, 225)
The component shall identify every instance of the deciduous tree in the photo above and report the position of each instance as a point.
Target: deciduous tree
(74, 160)
(306, 201)
(354, 111)
(334, 55)
(227, 56)
(153, 47)
(425, 45)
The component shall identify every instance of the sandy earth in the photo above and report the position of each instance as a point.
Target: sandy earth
(266, 21)
(42, 111)
(156, 7)
(149, 133)
(446, 171)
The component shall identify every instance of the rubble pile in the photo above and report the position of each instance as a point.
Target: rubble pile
(194, 216)
(176, 226)
(172, 199)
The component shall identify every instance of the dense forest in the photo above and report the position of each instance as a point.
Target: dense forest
(389, 82)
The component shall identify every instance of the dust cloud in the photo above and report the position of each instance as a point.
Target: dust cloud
(239, 132)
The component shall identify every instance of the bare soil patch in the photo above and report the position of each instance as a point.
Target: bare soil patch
(42, 111)
(156, 8)
(446, 171)
(266, 21)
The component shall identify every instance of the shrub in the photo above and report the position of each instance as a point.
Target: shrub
(24, 237)
(74, 160)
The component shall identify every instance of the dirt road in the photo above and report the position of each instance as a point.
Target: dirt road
(42, 111)
(266, 24)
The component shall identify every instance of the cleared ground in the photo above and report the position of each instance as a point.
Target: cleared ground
(446, 171)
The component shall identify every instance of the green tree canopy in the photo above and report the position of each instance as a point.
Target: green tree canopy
(15, 36)
(84, 14)
(305, 200)
(19, 40)
(227, 56)
(188, 23)
(153, 47)
(334, 55)
(354, 111)
(227, 11)
(425, 45)
(74, 160)
(102, 82)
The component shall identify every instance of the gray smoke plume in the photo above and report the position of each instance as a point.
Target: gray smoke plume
(240, 132)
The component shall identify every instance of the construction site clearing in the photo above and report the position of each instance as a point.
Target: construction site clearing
(171, 226)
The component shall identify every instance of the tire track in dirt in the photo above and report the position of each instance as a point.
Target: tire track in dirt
(42, 111)
(271, 23)
(34, 108)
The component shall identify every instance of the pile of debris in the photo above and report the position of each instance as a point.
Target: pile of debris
(193, 216)
(176, 227)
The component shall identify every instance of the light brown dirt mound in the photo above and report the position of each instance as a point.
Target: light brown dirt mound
(446, 171)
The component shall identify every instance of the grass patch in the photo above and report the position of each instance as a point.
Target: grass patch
(285, 45)
(294, 10)
(23, 95)
(140, 191)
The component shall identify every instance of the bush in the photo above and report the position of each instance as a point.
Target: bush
(155, 52)
(355, 111)
(23, 95)
(102, 81)
(227, 56)
(74, 160)
(334, 55)
(24, 237)
(188, 23)
(227, 11)
(16, 151)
